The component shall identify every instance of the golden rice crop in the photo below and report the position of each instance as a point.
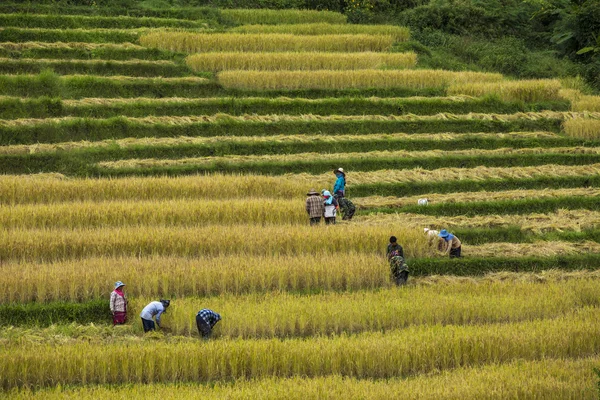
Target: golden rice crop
(517, 380)
(415, 350)
(573, 220)
(538, 249)
(433, 198)
(89, 278)
(341, 157)
(198, 42)
(299, 61)
(289, 16)
(527, 91)
(64, 244)
(400, 33)
(358, 79)
(582, 128)
(263, 211)
(586, 103)
(283, 139)
(285, 315)
(53, 188)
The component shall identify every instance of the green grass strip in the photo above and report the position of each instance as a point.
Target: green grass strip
(520, 206)
(514, 234)
(45, 314)
(471, 185)
(468, 266)
(90, 22)
(129, 68)
(86, 51)
(41, 108)
(119, 128)
(20, 35)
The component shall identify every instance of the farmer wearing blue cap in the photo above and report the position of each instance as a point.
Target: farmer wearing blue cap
(453, 244)
(118, 304)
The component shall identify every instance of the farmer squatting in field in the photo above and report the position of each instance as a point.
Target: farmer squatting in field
(205, 321)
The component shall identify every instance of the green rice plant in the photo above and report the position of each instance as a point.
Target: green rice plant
(325, 79)
(189, 42)
(275, 17)
(15, 107)
(75, 22)
(415, 350)
(86, 279)
(367, 161)
(20, 35)
(57, 130)
(521, 206)
(76, 86)
(288, 144)
(36, 314)
(508, 381)
(400, 33)
(261, 211)
(306, 61)
(528, 91)
(84, 51)
(94, 67)
(582, 128)
(214, 240)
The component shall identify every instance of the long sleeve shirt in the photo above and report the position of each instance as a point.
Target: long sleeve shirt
(153, 309)
(340, 185)
(209, 316)
(394, 247)
(117, 303)
(314, 206)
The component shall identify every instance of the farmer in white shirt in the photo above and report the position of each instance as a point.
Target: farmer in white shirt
(154, 309)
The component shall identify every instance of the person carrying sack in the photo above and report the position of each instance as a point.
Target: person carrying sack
(339, 192)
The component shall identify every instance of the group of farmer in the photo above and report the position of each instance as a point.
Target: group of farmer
(443, 241)
(205, 319)
(325, 205)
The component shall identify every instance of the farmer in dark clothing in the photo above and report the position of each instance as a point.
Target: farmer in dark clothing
(339, 192)
(398, 267)
(205, 320)
(314, 207)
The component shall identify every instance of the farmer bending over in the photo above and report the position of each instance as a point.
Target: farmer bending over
(154, 309)
(205, 320)
(453, 244)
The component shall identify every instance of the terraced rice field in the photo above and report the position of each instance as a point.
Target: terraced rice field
(173, 151)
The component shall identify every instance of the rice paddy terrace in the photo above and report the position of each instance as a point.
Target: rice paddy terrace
(173, 149)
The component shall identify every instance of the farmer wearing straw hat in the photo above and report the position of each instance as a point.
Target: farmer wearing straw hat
(339, 192)
(118, 304)
(453, 244)
(314, 207)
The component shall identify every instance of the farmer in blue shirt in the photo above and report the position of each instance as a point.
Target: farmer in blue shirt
(154, 309)
(205, 320)
(339, 192)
